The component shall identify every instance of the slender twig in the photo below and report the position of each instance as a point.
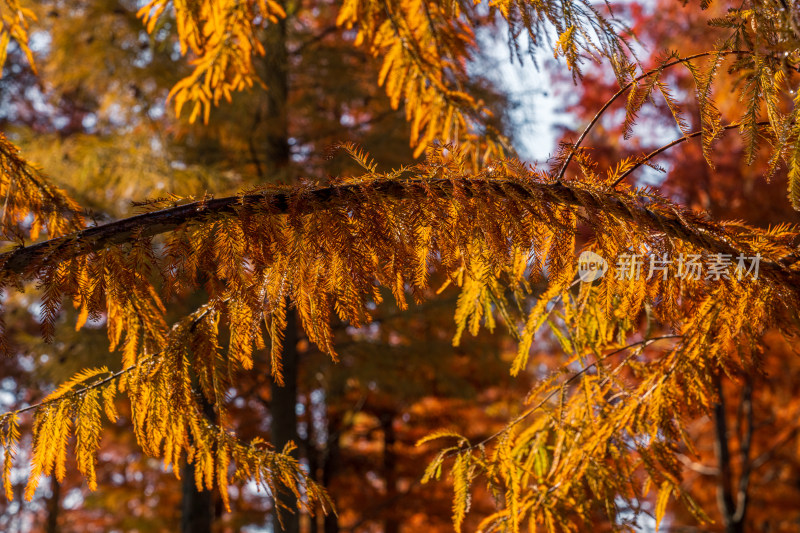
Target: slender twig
(642, 344)
(785, 439)
(314, 39)
(700, 468)
(622, 91)
(676, 142)
(107, 379)
(82, 390)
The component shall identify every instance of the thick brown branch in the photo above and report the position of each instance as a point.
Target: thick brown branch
(671, 221)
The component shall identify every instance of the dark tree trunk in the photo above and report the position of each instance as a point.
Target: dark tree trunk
(329, 463)
(53, 506)
(309, 450)
(732, 500)
(284, 421)
(276, 115)
(197, 509)
(391, 524)
(197, 506)
(277, 163)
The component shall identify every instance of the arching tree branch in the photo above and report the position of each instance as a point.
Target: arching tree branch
(663, 218)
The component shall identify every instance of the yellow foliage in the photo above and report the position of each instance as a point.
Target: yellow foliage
(223, 37)
(15, 21)
(603, 427)
(326, 250)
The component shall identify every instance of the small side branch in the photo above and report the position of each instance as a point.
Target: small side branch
(666, 147)
(640, 345)
(198, 316)
(624, 89)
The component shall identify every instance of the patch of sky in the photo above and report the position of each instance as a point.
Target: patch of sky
(39, 42)
(639, 521)
(536, 109)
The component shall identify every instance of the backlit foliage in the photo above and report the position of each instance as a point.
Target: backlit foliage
(327, 250)
(424, 47)
(223, 37)
(30, 203)
(596, 439)
(16, 20)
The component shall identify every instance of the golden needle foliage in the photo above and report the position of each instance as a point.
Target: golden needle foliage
(16, 21)
(606, 429)
(328, 250)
